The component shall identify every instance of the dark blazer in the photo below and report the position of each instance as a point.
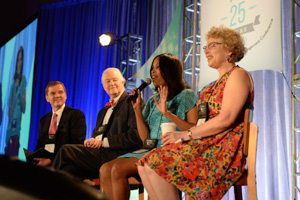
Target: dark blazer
(121, 130)
(71, 129)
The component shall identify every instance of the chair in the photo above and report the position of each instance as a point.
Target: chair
(249, 176)
(133, 183)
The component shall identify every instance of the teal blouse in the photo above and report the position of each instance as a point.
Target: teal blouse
(15, 97)
(179, 105)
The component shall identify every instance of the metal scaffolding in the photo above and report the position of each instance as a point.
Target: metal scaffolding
(191, 41)
(130, 58)
(295, 90)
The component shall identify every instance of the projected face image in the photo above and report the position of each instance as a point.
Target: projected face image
(19, 68)
(19, 63)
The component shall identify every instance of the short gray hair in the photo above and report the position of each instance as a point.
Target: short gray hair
(116, 70)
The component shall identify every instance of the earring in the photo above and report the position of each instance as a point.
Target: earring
(229, 60)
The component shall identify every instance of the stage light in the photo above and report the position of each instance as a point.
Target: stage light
(107, 39)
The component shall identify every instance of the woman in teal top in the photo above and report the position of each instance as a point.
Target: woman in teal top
(172, 102)
(16, 105)
(179, 105)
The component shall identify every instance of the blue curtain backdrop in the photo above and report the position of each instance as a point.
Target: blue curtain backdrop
(68, 51)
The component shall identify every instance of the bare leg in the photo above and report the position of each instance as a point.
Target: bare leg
(160, 188)
(122, 169)
(146, 183)
(114, 177)
(105, 178)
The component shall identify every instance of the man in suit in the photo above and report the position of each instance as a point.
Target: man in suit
(115, 133)
(63, 125)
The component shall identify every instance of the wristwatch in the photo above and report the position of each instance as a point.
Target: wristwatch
(189, 133)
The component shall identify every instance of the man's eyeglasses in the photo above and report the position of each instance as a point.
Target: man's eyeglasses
(211, 45)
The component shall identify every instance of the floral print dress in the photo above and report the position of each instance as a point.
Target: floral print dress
(204, 168)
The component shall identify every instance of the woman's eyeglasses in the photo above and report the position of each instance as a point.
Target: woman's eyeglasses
(211, 45)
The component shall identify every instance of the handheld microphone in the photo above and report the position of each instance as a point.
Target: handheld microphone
(145, 84)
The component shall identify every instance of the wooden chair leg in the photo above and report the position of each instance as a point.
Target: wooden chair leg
(141, 193)
(238, 192)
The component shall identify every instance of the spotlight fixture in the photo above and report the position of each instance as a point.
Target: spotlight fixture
(107, 39)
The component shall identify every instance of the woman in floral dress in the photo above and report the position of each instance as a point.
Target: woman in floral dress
(209, 159)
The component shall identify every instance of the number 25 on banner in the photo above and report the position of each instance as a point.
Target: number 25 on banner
(238, 14)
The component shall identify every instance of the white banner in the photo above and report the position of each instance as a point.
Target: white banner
(259, 21)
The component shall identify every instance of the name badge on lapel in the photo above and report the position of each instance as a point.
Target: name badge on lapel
(202, 113)
(50, 143)
(101, 130)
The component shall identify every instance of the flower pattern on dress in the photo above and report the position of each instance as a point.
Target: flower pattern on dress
(204, 168)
